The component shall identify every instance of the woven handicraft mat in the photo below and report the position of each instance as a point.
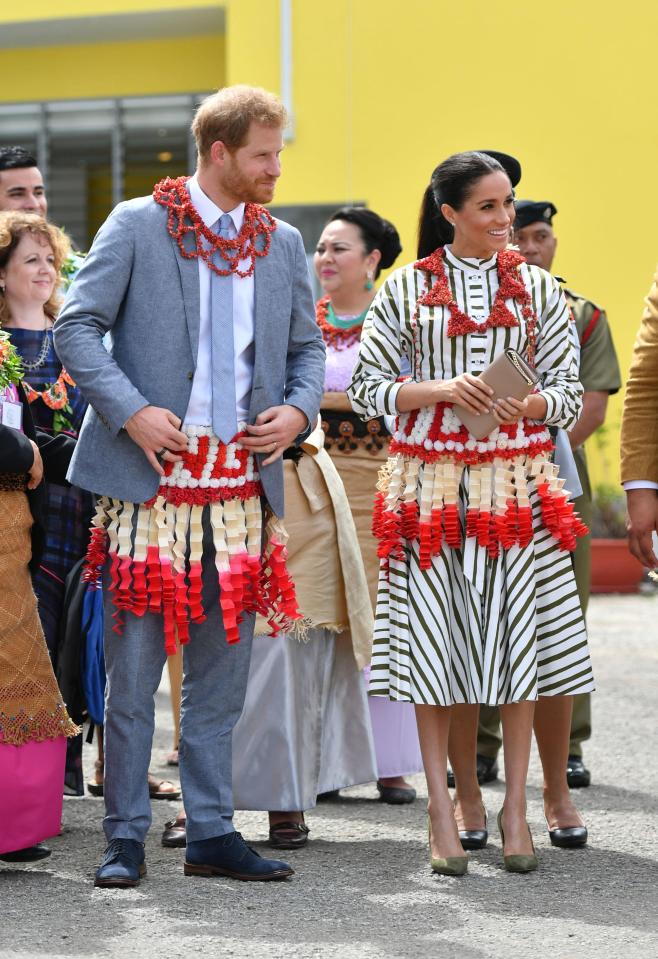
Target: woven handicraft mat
(31, 707)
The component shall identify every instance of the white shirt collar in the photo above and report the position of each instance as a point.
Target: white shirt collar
(470, 264)
(209, 211)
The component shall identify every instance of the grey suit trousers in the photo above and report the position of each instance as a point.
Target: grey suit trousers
(214, 687)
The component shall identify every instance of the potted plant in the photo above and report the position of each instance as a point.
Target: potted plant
(614, 569)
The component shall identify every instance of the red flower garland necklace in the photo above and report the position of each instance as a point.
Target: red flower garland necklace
(334, 336)
(183, 218)
(55, 395)
(510, 286)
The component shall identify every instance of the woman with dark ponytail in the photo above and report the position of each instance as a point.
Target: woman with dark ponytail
(476, 598)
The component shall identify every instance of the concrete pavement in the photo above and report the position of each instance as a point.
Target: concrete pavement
(363, 886)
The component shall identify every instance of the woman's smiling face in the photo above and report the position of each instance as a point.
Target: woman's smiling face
(30, 274)
(484, 222)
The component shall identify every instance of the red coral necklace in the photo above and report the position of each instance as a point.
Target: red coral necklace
(338, 337)
(252, 241)
(510, 287)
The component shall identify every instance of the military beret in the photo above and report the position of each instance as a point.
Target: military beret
(510, 164)
(533, 211)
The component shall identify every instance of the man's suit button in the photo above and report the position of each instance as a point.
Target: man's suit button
(190, 375)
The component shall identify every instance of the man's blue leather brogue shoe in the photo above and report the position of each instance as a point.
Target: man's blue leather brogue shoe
(229, 855)
(122, 865)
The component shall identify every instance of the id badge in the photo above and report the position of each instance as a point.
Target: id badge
(12, 414)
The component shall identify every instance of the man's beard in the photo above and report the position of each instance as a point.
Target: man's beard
(247, 190)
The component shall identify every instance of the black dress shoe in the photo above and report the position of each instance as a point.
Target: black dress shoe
(29, 854)
(571, 837)
(578, 776)
(487, 771)
(173, 834)
(396, 795)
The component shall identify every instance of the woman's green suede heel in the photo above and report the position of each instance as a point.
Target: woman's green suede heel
(517, 863)
(446, 865)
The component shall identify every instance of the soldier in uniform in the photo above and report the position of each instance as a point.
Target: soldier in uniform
(600, 376)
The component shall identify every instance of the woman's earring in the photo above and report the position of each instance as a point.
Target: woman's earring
(369, 280)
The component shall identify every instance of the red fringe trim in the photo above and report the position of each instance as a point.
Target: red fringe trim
(250, 585)
(493, 531)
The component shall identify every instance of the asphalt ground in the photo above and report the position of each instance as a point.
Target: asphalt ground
(363, 886)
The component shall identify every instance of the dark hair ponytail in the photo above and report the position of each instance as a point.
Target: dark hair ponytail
(452, 183)
(376, 233)
(433, 228)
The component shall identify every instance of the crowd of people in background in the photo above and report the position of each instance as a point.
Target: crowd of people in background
(154, 426)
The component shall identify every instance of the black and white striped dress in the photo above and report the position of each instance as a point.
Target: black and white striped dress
(474, 628)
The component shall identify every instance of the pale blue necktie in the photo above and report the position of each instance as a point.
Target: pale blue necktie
(224, 416)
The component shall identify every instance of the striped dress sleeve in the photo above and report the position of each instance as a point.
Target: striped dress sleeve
(556, 357)
(374, 389)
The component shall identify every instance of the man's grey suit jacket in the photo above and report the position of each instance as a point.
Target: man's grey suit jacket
(136, 285)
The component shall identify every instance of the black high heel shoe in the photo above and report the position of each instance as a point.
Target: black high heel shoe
(568, 837)
(475, 838)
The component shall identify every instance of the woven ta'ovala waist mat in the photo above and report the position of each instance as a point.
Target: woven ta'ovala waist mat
(419, 488)
(155, 548)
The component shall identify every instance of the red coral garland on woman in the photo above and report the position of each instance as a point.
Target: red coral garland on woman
(334, 336)
(510, 287)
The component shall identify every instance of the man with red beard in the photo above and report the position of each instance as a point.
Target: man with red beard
(216, 366)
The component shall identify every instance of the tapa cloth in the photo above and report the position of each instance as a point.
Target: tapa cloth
(31, 707)
(324, 560)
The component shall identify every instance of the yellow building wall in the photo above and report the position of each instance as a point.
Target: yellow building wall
(384, 90)
(49, 10)
(122, 68)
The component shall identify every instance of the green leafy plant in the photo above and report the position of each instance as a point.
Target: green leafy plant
(11, 368)
(608, 499)
(608, 512)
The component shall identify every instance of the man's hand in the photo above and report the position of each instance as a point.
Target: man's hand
(157, 432)
(642, 505)
(35, 471)
(274, 431)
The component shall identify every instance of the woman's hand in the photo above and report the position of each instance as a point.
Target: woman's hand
(510, 410)
(35, 471)
(469, 391)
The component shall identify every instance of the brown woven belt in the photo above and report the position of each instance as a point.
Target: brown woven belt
(347, 433)
(10, 482)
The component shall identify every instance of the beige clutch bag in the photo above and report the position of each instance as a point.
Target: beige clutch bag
(508, 375)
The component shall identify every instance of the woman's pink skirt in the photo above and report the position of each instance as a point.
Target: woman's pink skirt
(31, 787)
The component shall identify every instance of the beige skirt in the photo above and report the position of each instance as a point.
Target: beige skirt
(359, 470)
